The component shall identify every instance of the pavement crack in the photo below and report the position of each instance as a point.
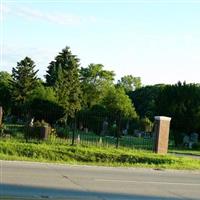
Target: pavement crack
(85, 189)
(75, 183)
(179, 196)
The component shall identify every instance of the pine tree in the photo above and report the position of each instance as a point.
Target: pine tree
(24, 80)
(63, 75)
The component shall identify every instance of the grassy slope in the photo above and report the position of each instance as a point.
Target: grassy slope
(15, 150)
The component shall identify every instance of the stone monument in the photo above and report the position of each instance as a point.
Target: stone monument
(162, 127)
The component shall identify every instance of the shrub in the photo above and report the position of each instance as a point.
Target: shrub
(43, 109)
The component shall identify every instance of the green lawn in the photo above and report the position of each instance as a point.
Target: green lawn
(185, 152)
(11, 149)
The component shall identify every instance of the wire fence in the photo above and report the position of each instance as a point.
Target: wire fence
(74, 136)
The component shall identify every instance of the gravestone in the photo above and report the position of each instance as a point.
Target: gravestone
(194, 138)
(104, 128)
(186, 141)
(162, 127)
(31, 122)
(1, 114)
(125, 132)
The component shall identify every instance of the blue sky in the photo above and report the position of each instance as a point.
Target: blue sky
(156, 40)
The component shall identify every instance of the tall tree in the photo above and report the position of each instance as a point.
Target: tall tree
(181, 102)
(5, 92)
(94, 82)
(130, 83)
(144, 100)
(24, 80)
(63, 75)
(119, 104)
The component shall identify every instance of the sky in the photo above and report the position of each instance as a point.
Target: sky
(156, 40)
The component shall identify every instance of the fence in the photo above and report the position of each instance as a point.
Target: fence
(84, 137)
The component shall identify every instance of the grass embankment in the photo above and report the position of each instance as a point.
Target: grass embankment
(16, 150)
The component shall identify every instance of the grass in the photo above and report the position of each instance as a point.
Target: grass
(12, 149)
(185, 152)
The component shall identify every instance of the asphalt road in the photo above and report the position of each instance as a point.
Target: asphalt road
(49, 181)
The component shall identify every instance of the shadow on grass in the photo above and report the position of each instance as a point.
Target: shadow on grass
(14, 192)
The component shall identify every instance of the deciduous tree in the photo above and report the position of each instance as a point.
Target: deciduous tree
(94, 82)
(130, 83)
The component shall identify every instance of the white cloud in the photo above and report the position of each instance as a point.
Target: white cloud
(53, 17)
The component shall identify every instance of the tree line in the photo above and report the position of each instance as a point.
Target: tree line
(70, 90)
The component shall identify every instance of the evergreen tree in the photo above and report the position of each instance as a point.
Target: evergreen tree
(24, 80)
(63, 75)
(5, 93)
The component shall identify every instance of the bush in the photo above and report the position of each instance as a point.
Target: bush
(45, 110)
(62, 132)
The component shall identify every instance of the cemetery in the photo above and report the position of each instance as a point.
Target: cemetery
(101, 135)
(79, 109)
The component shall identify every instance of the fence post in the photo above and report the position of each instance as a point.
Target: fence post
(1, 115)
(162, 126)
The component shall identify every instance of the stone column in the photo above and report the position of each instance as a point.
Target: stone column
(162, 127)
(1, 114)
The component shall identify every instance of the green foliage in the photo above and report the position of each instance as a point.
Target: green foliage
(63, 75)
(94, 82)
(44, 93)
(40, 123)
(45, 110)
(93, 118)
(118, 103)
(24, 80)
(144, 100)
(182, 103)
(130, 83)
(5, 78)
(2, 129)
(62, 132)
(146, 125)
(5, 91)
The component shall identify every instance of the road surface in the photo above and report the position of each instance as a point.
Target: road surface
(28, 180)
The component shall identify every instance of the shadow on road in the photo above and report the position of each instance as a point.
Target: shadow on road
(11, 192)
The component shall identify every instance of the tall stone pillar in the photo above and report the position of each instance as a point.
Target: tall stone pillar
(162, 127)
(1, 114)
